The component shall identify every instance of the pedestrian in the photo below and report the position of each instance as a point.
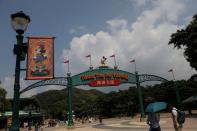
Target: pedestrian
(82, 120)
(36, 126)
(100, 119)
(177, 125)
(153, 121)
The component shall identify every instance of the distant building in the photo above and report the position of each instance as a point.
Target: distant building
(29, 110)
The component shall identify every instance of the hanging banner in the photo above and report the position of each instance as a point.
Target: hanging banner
(40, 58)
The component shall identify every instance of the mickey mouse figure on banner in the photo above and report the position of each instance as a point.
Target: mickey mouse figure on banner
(103, 61)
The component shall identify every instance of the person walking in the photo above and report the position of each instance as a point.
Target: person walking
(177, 125)
(36, 126)
(101, 119)
(153, 121)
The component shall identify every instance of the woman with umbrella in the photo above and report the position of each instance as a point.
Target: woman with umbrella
(153, 121)
(153, 115)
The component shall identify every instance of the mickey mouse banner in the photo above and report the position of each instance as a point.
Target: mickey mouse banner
(40, 58)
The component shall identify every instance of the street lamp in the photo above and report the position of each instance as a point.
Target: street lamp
(19, 23)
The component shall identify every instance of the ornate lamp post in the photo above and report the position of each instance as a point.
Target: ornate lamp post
(19, 23)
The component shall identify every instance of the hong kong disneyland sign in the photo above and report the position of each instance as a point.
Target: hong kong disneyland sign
(108, 79)
(40, 58)
(103, 77)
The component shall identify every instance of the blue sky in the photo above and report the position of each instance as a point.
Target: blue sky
(56, 18)
(131, 29)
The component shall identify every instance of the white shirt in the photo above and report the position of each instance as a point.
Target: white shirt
(174, 112)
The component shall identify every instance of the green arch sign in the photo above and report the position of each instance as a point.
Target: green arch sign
(99, 77)
(104, 76)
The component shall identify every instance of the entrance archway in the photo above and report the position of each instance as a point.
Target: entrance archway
(101, 76)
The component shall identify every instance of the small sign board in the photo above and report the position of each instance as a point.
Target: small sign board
(97, 83)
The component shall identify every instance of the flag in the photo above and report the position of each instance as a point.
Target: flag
(171, 70)
(66, 61)
(132, 61)
(112, 55)
(88, 55)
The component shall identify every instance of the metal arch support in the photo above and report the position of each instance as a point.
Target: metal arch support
(147, 77)
(62, 81)
(142, 78)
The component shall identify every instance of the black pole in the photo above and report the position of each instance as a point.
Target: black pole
(15, 109)
(178, 98)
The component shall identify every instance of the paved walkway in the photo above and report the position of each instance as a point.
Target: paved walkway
(126, 124)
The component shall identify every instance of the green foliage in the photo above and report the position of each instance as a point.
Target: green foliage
(4, 104)
(54, 102)
(2, 93)
(187, 38)
(122, 103)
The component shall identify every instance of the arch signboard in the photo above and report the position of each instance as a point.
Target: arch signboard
(111, 77)
(100, 77)
(103, 77)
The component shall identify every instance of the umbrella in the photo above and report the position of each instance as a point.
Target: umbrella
(156, 106)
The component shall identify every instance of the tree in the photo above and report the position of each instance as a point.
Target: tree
(187, 39)
(4, 104)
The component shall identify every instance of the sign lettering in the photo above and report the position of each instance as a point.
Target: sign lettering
(105, 76)
(96, 83)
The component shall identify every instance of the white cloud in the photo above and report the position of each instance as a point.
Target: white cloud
(117, 24)
(79, 29)
(145, 40)
(141, 2)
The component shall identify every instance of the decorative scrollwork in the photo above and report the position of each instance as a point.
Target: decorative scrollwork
(62, 81)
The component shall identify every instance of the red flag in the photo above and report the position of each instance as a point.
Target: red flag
(112, 55)
(66, 61)
(171, 70)
(88, 55)
(132, 61)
